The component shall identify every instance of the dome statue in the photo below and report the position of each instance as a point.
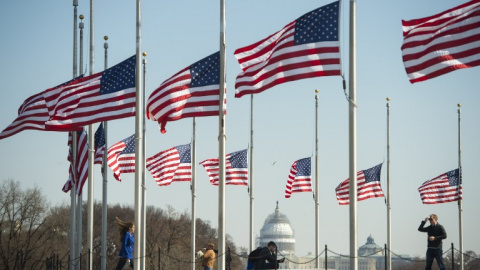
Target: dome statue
(277, 228)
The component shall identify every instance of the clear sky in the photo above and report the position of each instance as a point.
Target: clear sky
(36, 53)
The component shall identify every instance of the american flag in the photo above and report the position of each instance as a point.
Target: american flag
(192, 92)
(82, 163)
(32, 114)
(171, 165)
(300, 177)
(236, 169)
(103, 96)
(305, 48)
(121, 157)
(368, 186)
(444, 188)
(99, 144)
(436, 45)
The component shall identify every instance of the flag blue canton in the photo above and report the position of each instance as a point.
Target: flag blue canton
(100, 136)
(304, 167)
(453, 177)
(373, 174)
(184, 153)
(206, 71)
(239, 159)
(118, 77)
(318, 25)
(130, 148)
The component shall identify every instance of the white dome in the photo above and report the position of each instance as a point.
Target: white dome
(277, 228)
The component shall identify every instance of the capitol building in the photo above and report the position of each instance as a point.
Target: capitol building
(277, 228)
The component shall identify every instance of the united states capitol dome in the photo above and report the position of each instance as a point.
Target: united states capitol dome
(277, 228)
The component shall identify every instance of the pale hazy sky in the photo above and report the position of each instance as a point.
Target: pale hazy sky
(36, 53)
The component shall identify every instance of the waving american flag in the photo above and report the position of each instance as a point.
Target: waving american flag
(446, 187)
(82, 163)
(191, 92)
(121, 157)
(439, 44)
(305, 48)
(300, 177)
(368, 186)
(236, 169)
(103, 96)
(99, 144)
(171, 165)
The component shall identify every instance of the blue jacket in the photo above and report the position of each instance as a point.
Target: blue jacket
(127, 246)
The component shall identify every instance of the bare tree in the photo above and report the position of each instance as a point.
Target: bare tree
(22, 234)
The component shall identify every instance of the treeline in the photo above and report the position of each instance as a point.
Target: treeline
(31, 231)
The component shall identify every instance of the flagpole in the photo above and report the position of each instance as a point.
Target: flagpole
(139, 161)
(91, 153)
(104, 176)
(73, 149)
(221, 144)
(389, 216)
(353, 138)
(144, 187)
(460, 209)
(193, 189)
(252, 198)
(80, 197)
(317, 210)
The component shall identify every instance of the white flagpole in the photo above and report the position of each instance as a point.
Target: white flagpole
(252, 198)
(91, 153)
(389, 216)
(143, 233)
(80, 197)
(139, 161)
(353, 138)
(460, 210)
(73, 149)
(317, 210)
(221, 145)
(105, 180)
(193, 189)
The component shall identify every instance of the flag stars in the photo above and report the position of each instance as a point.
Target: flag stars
(206, 71)
(318, 25)
(118, 77)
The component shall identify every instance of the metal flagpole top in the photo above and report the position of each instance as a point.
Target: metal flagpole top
(459, 105)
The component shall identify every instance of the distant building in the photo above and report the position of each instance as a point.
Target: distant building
(277, 228)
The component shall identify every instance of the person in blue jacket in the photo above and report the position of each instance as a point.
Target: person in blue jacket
(127, 236)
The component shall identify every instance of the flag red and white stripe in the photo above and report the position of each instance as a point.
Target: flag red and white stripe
(368, 186)
(436, 45)
(82, 163)
(305, 48)
(32, 114)
(171, 165)
(236, 169)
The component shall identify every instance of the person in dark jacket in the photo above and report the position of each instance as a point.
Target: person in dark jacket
(436, 233)
(127, 237)
(268, 257)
